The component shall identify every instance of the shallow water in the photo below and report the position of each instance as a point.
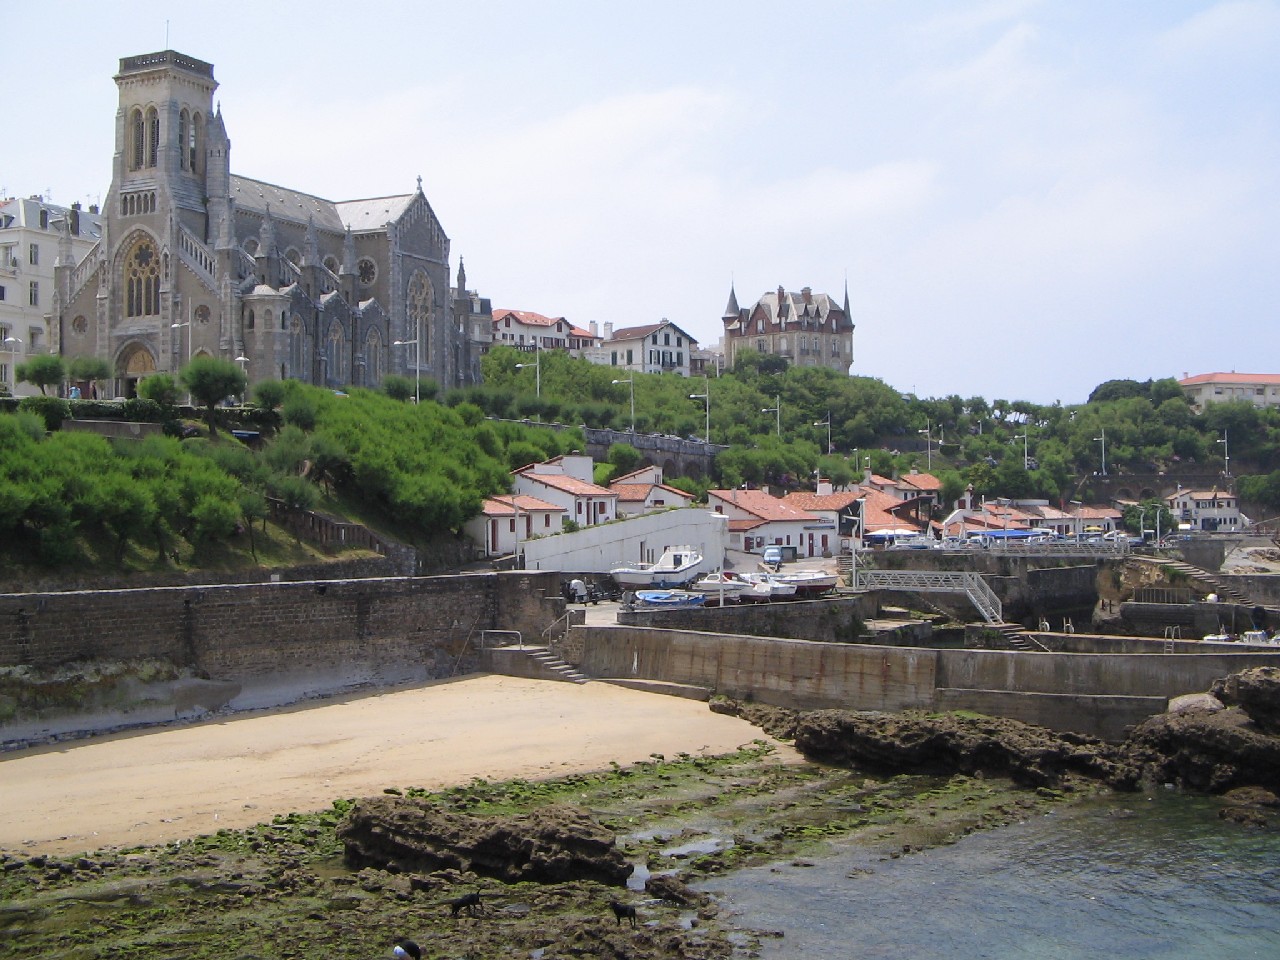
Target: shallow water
(1134, 876)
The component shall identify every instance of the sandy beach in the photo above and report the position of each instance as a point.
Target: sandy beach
(163, 785)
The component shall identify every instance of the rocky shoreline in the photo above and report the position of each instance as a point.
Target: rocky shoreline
(562, 868)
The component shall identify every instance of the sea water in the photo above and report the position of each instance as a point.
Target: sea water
(1141, 875)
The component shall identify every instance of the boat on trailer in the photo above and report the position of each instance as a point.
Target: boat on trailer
(669, 598)
(722, 585)
(676, 567)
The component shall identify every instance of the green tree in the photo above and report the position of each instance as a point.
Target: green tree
(88, 370)
(160, 387)
(397, 387)
(269, 394)
(210, 380)
(43, 370)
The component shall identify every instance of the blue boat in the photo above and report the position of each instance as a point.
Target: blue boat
(669, 598)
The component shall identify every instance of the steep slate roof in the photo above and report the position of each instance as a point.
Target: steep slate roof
(292, 206)
(373, 214)
(762, 504)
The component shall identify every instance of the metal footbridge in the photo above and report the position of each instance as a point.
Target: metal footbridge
(967, 582)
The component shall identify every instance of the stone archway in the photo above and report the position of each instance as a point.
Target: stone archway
(134, 362)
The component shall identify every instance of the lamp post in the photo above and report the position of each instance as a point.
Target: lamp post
(1103, 440)
(705, 395)
(631, 383)
(1025, 458)
(244, 368)
(186, 323)
(928, 444)
(1079, 505)
(775, 409)
(11, 345)
(827, 422)
(416, 343)
(537, 372)
(1226, 455)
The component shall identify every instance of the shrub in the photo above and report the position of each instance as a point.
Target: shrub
(53, 410)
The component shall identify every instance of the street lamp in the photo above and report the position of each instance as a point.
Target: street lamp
(1026, 460)
(537, 372)
(416, 343)
(928, 443)
(1103, 440)
(827, 422)
(777, 409)
(705, 395)
(1226, 455)
(244, 368)
(630, 382)
(186, 323)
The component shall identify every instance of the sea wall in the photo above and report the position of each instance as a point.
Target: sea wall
(1099, 694)
(279, 640)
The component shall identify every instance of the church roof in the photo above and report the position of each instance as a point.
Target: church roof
(285, 204)
(375, 213)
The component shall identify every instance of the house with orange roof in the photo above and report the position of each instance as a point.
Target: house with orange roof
(1212, 510)
(568, 482)
(506, 520)
(758, 519)
(643, 491)
(1259, 389)
(526, 330)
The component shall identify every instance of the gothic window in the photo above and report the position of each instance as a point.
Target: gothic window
(249, 323)
(293, 256)
(79, 326)
(202, 314)
(142, 280)
(373, 357)
(195, 139)
(368, 271)
(266, 318)
(251, 246)
(184, 125)
(419, 311)
(331, 264)
(139, 140)
(153, 137)
(334, 355)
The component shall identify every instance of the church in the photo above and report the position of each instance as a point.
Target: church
(194, 260)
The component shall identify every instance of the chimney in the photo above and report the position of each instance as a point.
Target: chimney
(807, 294)
(824, 488)
(595, 330)
(608, 330)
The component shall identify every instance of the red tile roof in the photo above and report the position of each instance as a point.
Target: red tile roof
(572, 485)
(921, 481)
(805, 500)
(762, 504)
(528, 317)
(1232, 377)
(639, 492)
(505, 506)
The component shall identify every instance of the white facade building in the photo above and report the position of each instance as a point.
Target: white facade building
(652, 348)
(1209, 510)
(33, 235)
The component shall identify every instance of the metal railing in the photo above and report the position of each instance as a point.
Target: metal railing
(971, 584)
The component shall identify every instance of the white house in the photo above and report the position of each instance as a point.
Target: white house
(643, 491)
(652, 348)
(568, 482)
(506, 521)
(1207, 510)
(758, 519)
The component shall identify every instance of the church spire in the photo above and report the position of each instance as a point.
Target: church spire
(462, 279)
(846, 299)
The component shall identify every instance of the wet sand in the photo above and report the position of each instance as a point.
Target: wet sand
(165, 785)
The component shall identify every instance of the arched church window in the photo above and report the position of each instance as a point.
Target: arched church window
(251, 246)
(195, 141)
(139, 140)
(250, 321)
(202, 314)
(335, 356)
(184, 124)
(142, 280)
(419, 312)
(153, 137)
(373, 356)
(331, 264)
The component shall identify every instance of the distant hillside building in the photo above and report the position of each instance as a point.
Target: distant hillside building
(808, 329)
(1259, 389)
(650, 348)
(195, 260)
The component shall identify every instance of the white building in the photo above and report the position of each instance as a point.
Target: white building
(567, 482)
(34, 234)
(1259, 389)
(508, 520)
(652, 348)
(642, 491)
(1208, 510)
(758, 519)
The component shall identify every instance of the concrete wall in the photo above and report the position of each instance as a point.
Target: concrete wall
(282, 640)
(1090, 693)
(832, 620)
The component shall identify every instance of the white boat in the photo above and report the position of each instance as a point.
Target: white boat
(728, 586)
(676, 567)
(808, 582)
(669, 598)
(766, 586)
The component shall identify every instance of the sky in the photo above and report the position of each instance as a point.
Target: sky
(1025, 199)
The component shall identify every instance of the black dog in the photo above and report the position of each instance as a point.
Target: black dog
(623, 911)
(468, 902)
(409, 949)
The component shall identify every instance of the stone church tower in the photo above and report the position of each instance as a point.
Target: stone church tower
(195, 260)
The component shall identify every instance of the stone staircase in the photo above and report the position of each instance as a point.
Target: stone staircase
(1016, 637)
(553, 667)
(1203, 578)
